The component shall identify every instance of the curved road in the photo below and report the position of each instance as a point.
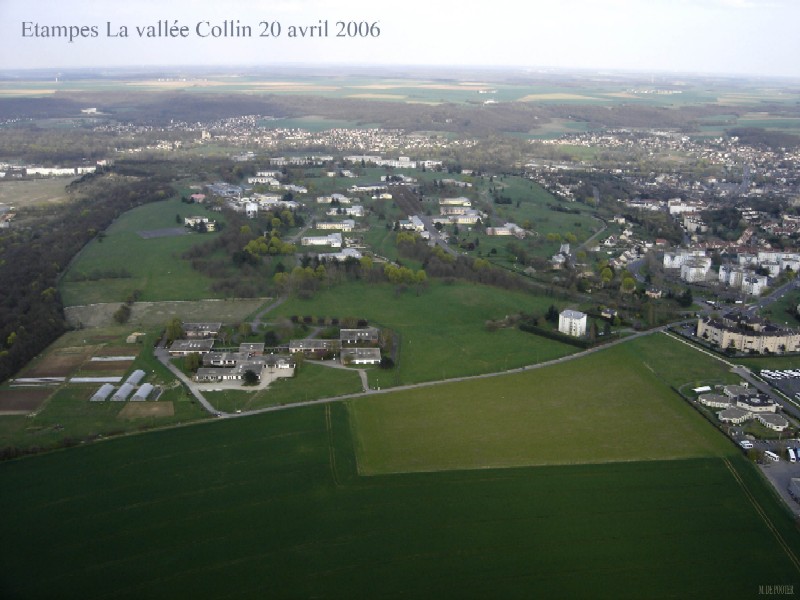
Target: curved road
(164, 358)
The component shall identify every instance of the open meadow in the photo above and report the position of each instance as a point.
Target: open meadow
(109, 269)
(607, 406)
(442, 329)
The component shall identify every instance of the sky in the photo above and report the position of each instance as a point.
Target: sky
(711, 37)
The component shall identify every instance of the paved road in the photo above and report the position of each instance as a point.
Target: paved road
(256, 322)
(163, 355)
(426, 384)
(774, 296)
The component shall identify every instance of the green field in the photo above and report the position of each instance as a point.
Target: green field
(154, 265)
(608, 406)
(311, 382)
(533, 201)
(442, 329)
(271, 507)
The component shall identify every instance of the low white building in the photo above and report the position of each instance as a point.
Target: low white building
(345, 225)
(333, 240)
(507, 229)
(357, 210)
(360, 356)
(341, 256)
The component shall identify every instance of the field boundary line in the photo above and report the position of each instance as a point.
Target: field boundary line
(331, 451)
(792, 557)
(711, 354)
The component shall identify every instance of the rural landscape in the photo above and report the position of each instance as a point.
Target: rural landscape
(476, 333)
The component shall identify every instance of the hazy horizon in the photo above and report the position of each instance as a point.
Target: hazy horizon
(737, 38)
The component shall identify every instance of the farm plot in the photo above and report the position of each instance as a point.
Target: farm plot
(61, 362)
(270, 506)
(22, 401)
(141, 410)
(154, 314)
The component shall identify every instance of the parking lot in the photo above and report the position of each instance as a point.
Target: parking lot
(786, 380)
(780, 473)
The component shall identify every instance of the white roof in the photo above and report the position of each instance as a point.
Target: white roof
(573, 314)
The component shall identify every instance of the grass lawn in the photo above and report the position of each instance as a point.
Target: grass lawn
(533, 201)
(271, 507)
(154, 265)
(608, 406)
(442, 329)
(311, 382)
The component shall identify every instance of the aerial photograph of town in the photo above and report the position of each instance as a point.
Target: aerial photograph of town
(370, 300)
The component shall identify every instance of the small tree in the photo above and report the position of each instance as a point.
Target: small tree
(250, 377)
(552, 314)
(192, 362)
(174, 330)
(122, 314)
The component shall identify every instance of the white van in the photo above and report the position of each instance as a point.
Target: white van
(772, 456)
(746, 444)
(791, 453)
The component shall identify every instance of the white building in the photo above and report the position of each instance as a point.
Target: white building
(460, 201)
(675, 260)
(572, 322)
(340, 256)
(695, 269)
(754, 285)
(357, 210)
(732, 275)
(345, 225)
(333, 240)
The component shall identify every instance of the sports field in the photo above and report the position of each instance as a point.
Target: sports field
(271, 506)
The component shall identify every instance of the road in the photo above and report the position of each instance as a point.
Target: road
(163, 356)
(427, 384)
(408, 202)
(773, 296)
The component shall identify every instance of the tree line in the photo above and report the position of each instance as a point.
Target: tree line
(34, 257)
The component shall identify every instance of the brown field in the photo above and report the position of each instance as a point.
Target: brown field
(34, 192)
(456, 87)
(157, 313)
(380, 86)
(379, 96)
(105, 368)
(22, 401)
(26, 92)
(129, 350)
(541, 97)
(140, 410)
(59, 363)
(173, 84)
